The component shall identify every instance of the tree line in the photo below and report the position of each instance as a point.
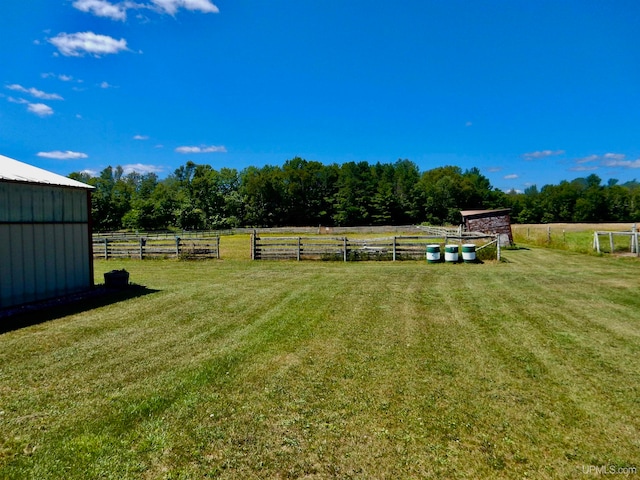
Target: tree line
(304, 193)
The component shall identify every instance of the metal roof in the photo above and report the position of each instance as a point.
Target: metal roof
(15, 171)
(470, 213)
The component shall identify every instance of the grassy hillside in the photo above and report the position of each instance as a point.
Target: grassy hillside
(239, 369)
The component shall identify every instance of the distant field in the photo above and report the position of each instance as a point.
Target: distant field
(577, 237)
(235, 369)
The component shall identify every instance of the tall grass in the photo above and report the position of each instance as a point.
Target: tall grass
(238, 369)
(572, 237)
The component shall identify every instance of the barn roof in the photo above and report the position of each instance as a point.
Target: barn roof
(15, 171)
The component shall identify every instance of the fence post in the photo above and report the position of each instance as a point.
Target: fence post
(596, 241)
(344, 248)
(498, 254)
(254, 242)
(549, 234)
(177, 246)
(143, 242)
(611, 241)
(394, 249)
(298, 253)
(106, 248)
(218, 247)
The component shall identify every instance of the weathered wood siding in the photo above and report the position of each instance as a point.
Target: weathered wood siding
(491, 223)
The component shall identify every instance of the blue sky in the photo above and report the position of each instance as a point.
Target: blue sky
(530, 92)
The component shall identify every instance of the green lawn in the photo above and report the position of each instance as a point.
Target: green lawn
(240, 369)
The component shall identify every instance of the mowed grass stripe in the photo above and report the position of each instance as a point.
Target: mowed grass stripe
(238, 369)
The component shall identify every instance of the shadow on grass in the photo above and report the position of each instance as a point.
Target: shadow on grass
(39, 312)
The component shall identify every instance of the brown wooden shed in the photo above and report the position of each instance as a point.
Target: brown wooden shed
(490, 221)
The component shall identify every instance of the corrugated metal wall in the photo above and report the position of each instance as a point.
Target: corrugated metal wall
(44, 242)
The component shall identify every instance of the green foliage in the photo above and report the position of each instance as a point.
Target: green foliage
(303, 193)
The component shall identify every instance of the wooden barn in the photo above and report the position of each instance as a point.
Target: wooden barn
(490, 221)
(45, 234)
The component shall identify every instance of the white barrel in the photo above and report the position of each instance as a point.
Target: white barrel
(433, 253)
(451, 253)
(469, 253)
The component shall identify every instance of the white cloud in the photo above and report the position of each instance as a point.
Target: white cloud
(77, 44)
(611, 160)
(172, 6)
(118, 11)
(17, 100)
(583, 168)
(614, 156)
(40, 109)
(141, 168)
(542, 154)
(64, 78)
(141, 137)
(35, 92)
(202, 149)
(589, 159)
(106, 85)
(60, 155)
(511, 176)
(494, 169)
(102, 8)
(621, 163)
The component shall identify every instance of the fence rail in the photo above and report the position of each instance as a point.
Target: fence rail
(341, 248)
(633, 240)
(127, 246)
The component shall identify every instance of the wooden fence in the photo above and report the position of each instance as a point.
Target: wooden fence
(127, 246)
(632, 235)
(344, 249)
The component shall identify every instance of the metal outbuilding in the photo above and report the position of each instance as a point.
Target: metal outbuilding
(45, 234)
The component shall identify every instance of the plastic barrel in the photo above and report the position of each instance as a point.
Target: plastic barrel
(451, 253)
(433, 253)
(469, 253)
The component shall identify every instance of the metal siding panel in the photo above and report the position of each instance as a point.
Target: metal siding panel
(29, 264)
(83, 262)
(39, 254)
(79, 203)
(50, 259)
(70, 257)
(4, 201)
(60, 261)
(48, 195)
(26, 204)
(6, 290)
(81, 265)
(58, 205)
(37, 198)
(15, 258)
(14, 202)
(67, 205)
